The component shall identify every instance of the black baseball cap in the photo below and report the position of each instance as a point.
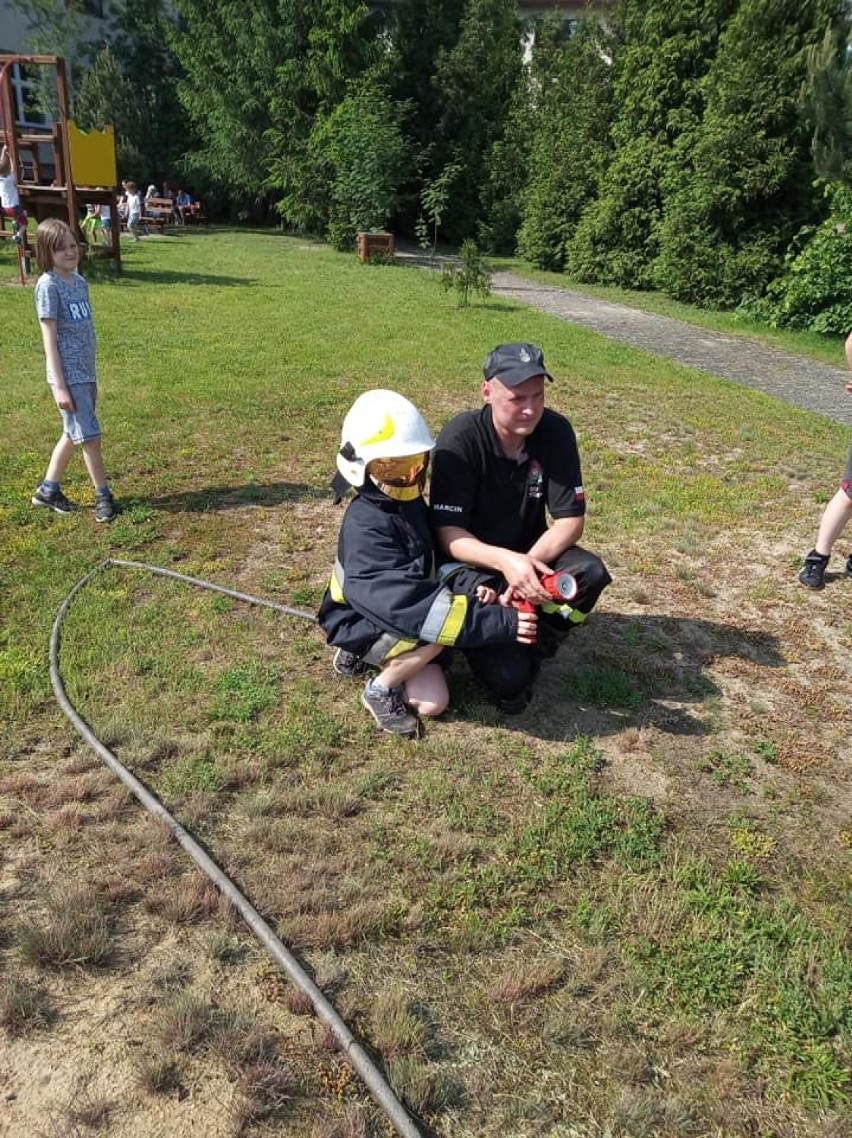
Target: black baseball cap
(515, 363)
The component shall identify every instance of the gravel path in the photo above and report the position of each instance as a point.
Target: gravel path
(794, 379)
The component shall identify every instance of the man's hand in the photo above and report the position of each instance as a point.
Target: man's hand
(522, 574)
(63, 397)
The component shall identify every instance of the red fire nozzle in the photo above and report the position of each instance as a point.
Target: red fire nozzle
(562, 587)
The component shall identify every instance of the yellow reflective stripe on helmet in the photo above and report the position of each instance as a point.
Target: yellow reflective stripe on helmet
(335, 584)
(382, 434)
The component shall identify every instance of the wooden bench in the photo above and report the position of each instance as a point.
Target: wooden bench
(157, 213)
(194, 214)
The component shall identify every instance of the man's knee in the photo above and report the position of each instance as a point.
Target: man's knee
(591, 574)
(506, 672)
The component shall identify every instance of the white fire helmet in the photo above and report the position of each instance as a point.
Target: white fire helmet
(380, 424)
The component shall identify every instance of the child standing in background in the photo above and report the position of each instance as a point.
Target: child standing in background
(10, 203)
(135, 221)
(834, 519)
(68, 334)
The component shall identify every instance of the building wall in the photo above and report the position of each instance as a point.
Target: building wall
(12, 29)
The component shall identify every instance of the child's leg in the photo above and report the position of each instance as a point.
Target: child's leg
(427, 691)
(837, 513)
(93, 458)
(408, 683)
(59, 460)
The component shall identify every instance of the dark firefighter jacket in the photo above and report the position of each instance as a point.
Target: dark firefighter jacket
(383, 597)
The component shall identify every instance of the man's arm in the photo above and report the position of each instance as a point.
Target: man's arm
(5, 160)
(520, 570)
(561, 535)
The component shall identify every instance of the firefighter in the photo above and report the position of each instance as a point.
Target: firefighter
(384, 606)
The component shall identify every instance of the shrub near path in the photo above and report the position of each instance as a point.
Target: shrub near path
(624, 912)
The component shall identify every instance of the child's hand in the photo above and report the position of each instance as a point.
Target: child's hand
(527, 622)
(485, 595)
(64, 399)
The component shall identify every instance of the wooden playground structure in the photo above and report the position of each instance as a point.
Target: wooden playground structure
(60, 168)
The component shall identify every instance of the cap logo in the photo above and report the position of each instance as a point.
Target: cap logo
(384, 433)
(524, 355)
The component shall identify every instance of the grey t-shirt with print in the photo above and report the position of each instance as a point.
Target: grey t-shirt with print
(67, 302)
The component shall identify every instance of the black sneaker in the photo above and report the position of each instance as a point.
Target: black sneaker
(849, 565)
(55, 501)
(348, 664)
(389, 710)
(813, 572)
(104, 508)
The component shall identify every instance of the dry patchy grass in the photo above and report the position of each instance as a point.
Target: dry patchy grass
(621, 912)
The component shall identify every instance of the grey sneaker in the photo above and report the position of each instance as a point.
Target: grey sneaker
(813, 572)
(104, 508)
(389, 709)
(348, 664)
(55, 501)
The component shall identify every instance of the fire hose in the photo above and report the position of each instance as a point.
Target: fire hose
(324, 1009)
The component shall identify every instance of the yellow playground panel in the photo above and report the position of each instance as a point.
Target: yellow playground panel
(92, 156)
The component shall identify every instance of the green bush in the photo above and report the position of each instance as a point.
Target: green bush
(472, 275)
(815, 292)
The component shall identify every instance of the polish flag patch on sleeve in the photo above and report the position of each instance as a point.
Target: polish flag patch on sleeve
(580, 493)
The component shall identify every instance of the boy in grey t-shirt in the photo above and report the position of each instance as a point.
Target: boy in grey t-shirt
(68, 334)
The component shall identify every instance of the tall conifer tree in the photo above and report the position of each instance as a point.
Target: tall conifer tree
(658, 68)
(571, 147)
(749, 189)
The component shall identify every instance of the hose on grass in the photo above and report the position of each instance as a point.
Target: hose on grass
(356, 1054)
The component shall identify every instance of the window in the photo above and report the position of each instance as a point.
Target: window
(24, 97)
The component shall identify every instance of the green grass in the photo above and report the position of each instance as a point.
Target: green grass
(625, 911)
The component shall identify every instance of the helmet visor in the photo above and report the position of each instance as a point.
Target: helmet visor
(407, 471)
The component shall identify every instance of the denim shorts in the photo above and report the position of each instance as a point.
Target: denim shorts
(847, 475)
(81, 424)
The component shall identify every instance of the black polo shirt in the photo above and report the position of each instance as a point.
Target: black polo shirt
(500, 500)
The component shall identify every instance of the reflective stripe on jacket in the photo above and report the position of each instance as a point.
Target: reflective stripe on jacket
(383, 597)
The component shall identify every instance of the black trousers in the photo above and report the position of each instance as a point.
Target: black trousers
(507, 671)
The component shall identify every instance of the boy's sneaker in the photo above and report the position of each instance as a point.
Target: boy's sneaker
(55, 501)
(348, 664)
(813, 572)
(389, 710)
(104, 508)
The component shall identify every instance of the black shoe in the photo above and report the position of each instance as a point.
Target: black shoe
(513, 705)
(389, 710)
(104, 508)
(849, 565)
(348, 664)
(55, 501)
(813, 572)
